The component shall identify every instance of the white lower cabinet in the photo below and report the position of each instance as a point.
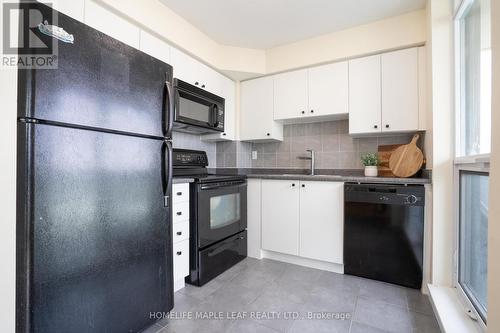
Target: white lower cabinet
(280, 216)
(303, 218)
(181, 263)
(180, 231)
(322, 221)
(254, 213)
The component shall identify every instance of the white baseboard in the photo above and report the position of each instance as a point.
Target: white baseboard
(311, 263)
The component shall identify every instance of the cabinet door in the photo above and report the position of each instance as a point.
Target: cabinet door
(254, 202)
(290, 95)
(155, 47)
(322, 221)
(364, 95)
(422, 88)
(185, 67)
(111, 24)
(256, 118)
(329, 90)
(209, 79)
(280, 216)
(400, 91)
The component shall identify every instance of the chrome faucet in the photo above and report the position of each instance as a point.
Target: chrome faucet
(312, 158)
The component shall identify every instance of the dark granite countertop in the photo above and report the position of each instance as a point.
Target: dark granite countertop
(355, 176)
(182, 180)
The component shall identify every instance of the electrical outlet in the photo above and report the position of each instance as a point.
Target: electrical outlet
(254, 154)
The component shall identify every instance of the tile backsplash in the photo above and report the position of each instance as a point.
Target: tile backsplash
(335, 148)
(193, 141)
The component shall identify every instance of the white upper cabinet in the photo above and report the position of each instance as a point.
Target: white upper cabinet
(322, 221)
(313, 92)
(422, 88)
(209, 79)
(329, 90)
(400, 91)
(155, 47)
(184, 66)
(290, 95)
(280, 216)
(229, 94)
(365, 105)
(387, 92)
(111, 24)
(194, 72)
(256, 112)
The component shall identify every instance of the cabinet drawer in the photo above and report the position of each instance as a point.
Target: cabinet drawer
(180, 193)
(180, 212)
(181, 231)
(181, 260)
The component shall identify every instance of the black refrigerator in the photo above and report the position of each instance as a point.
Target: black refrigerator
(94, 249)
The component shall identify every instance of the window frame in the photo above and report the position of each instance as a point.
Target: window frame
(479, 163)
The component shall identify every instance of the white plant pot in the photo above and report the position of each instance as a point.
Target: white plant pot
(371, 171)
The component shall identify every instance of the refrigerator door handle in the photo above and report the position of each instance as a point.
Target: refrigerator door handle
(167, 172)
(169, 110)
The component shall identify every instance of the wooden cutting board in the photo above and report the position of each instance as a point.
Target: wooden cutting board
(407, 160)
(384, 154)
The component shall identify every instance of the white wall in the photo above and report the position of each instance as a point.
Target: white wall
(396, 32)
(8, 94)
(494, 218)
(442, 140)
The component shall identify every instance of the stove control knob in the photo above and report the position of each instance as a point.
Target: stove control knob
(411, 199)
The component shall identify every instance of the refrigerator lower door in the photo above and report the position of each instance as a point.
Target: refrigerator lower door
(94, 233)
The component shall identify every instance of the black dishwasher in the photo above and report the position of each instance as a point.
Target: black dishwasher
(384, 232)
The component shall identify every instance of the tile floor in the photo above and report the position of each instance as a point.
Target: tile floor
(272, 286)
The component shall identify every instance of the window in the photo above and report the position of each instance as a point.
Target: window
(473, 137)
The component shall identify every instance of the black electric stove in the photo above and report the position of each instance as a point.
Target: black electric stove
(218, 216)
(193, 164)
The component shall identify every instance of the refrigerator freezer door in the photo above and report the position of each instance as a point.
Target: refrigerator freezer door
(100, 82)
(94, 235)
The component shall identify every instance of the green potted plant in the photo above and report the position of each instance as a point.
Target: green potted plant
(370, 161)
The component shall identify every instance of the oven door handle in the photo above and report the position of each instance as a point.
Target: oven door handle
(224, 247)
(204, 187)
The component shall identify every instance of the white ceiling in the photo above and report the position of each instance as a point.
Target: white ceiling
(264, 24)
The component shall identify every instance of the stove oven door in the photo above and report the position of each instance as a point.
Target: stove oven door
(221, 210)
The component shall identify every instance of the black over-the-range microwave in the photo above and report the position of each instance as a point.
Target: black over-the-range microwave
(197, 110)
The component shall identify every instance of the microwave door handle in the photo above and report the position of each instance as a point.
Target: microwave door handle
(215, 122)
